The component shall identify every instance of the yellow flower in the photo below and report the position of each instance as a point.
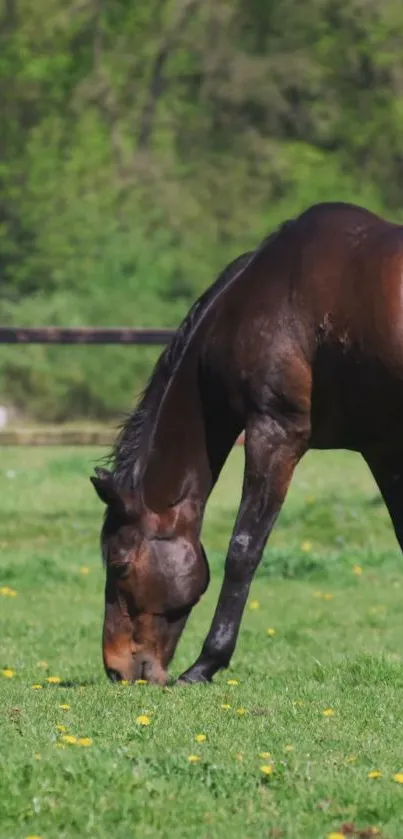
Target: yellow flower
(143, 719)
(336, 836)
(288, 748)
(357, 570)
(6, 591)
(225, 707)
(328, 712)
(351, 758)
(69, 738)
(265, 755)
(124, 683)
(267, 769)
(398, 777)
(241, 711)
(254, 604)
(65, 707)
(232, 682)
(33, 837)
(374, 774)
(141, 682)
(61, 728)
(7, 673)
(84, 741)
(200, 738)
(84, 570)
(36, 687)
(193, 758)
(271, 632)
(43, 664)
(306, 546)
(53, 680)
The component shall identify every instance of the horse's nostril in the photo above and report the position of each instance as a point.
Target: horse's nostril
(113, 675)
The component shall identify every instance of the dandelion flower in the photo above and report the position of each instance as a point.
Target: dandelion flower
(193, 758)
(306, 546)
(141, 682)
(53, 680)
(84, 570)
(61, 728)
(265, 755)
(6, 591)
(374, 774)
(143, 719)
(328, 712)
(64, 707)
(241, 711)
(271, 632)
(84, 741)
(336, 836)
(7, 673)
(267, 769)
(357, 570)
(398, 777)
(124, 683)
(69, 738)
(232, 682)
(225, 707)
(254, 604)
(200, 738)
(36, 687)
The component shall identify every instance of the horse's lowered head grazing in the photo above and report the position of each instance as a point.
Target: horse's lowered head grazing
(156, 571)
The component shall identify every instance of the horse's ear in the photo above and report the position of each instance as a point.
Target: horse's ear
(104, 486)
(125, 503)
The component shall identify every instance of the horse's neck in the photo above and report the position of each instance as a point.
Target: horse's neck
(193, 434)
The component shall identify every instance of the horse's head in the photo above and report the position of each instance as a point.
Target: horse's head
(156, 570)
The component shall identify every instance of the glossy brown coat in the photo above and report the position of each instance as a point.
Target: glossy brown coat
(300, 344)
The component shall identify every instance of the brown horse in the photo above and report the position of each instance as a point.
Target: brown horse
(300, 344)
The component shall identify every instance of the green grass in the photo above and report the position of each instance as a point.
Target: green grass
(343, 653)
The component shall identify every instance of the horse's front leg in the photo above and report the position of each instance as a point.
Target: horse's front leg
(271, 453)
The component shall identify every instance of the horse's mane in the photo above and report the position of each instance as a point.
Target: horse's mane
(133, 432)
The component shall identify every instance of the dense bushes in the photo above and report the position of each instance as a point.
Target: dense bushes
(145, 144)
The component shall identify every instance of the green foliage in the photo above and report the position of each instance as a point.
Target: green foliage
(145, 145)
(337, 645)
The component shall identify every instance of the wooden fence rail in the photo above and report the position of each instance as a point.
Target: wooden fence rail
(83, 335)
(73, 335)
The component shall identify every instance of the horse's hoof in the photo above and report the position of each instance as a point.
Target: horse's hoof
(189, 679)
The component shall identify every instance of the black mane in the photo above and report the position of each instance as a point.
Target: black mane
(128, 445)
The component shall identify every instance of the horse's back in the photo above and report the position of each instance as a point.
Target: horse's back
(314, 324)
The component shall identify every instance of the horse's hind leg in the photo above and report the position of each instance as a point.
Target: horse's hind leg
(271, 453)
(387, 469)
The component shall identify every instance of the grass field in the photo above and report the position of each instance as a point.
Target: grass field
(318, 700)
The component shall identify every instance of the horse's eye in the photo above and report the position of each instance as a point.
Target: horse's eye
(120, 569)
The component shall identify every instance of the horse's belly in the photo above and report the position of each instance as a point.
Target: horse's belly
(356, 403)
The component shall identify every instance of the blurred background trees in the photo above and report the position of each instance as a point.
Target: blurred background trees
(145, 144)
